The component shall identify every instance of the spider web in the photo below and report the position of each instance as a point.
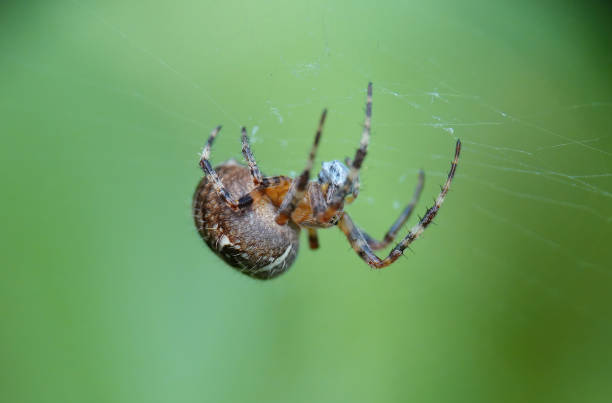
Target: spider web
(529, 147)
(489, 135)
(531, 204)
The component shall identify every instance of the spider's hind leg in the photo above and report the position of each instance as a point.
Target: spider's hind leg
(272, 186)
(212, 174)
(248, 156)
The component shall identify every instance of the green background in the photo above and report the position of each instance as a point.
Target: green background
(107, 293)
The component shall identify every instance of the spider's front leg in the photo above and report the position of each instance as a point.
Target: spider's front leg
(298, 188)
(360, 244)
(401, 220)
(352, 182)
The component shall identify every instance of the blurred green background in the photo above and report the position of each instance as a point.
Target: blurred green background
(108, 294)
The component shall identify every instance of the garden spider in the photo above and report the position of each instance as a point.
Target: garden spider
(258, 232)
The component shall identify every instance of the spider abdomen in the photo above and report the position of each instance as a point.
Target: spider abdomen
(249, 239)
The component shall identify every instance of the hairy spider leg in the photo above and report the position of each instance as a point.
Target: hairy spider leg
(361, 152)
(401, 220)
(313, 239)
(317, 200)
(280, 183)
(212, 174)
(356, 163)
(248, 156)
(360, 244)
(296, 191)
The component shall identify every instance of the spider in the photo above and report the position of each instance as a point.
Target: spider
(253, 222)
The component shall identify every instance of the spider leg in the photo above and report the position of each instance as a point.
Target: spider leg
(360, 244)
(313, 239)
(355, 164)
(271, 185)
(361, 152)
(401, 220)
(317, 200)
(296, 191)
(248, 156)
(212, 174)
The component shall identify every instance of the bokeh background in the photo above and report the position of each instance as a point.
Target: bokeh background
(107, 293)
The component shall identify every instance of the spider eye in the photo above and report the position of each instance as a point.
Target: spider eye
(334, 220)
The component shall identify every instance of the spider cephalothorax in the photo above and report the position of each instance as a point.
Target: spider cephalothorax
(258, 232)
(334, 174)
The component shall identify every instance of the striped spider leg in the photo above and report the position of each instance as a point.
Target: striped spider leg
(260, 183)
(318, 206)
(360, 243)
(212, 174)
(375, 244)
(351, 185)
(298, 187)
(250, 159)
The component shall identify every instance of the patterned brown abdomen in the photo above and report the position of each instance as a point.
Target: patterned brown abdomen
(249, 239)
